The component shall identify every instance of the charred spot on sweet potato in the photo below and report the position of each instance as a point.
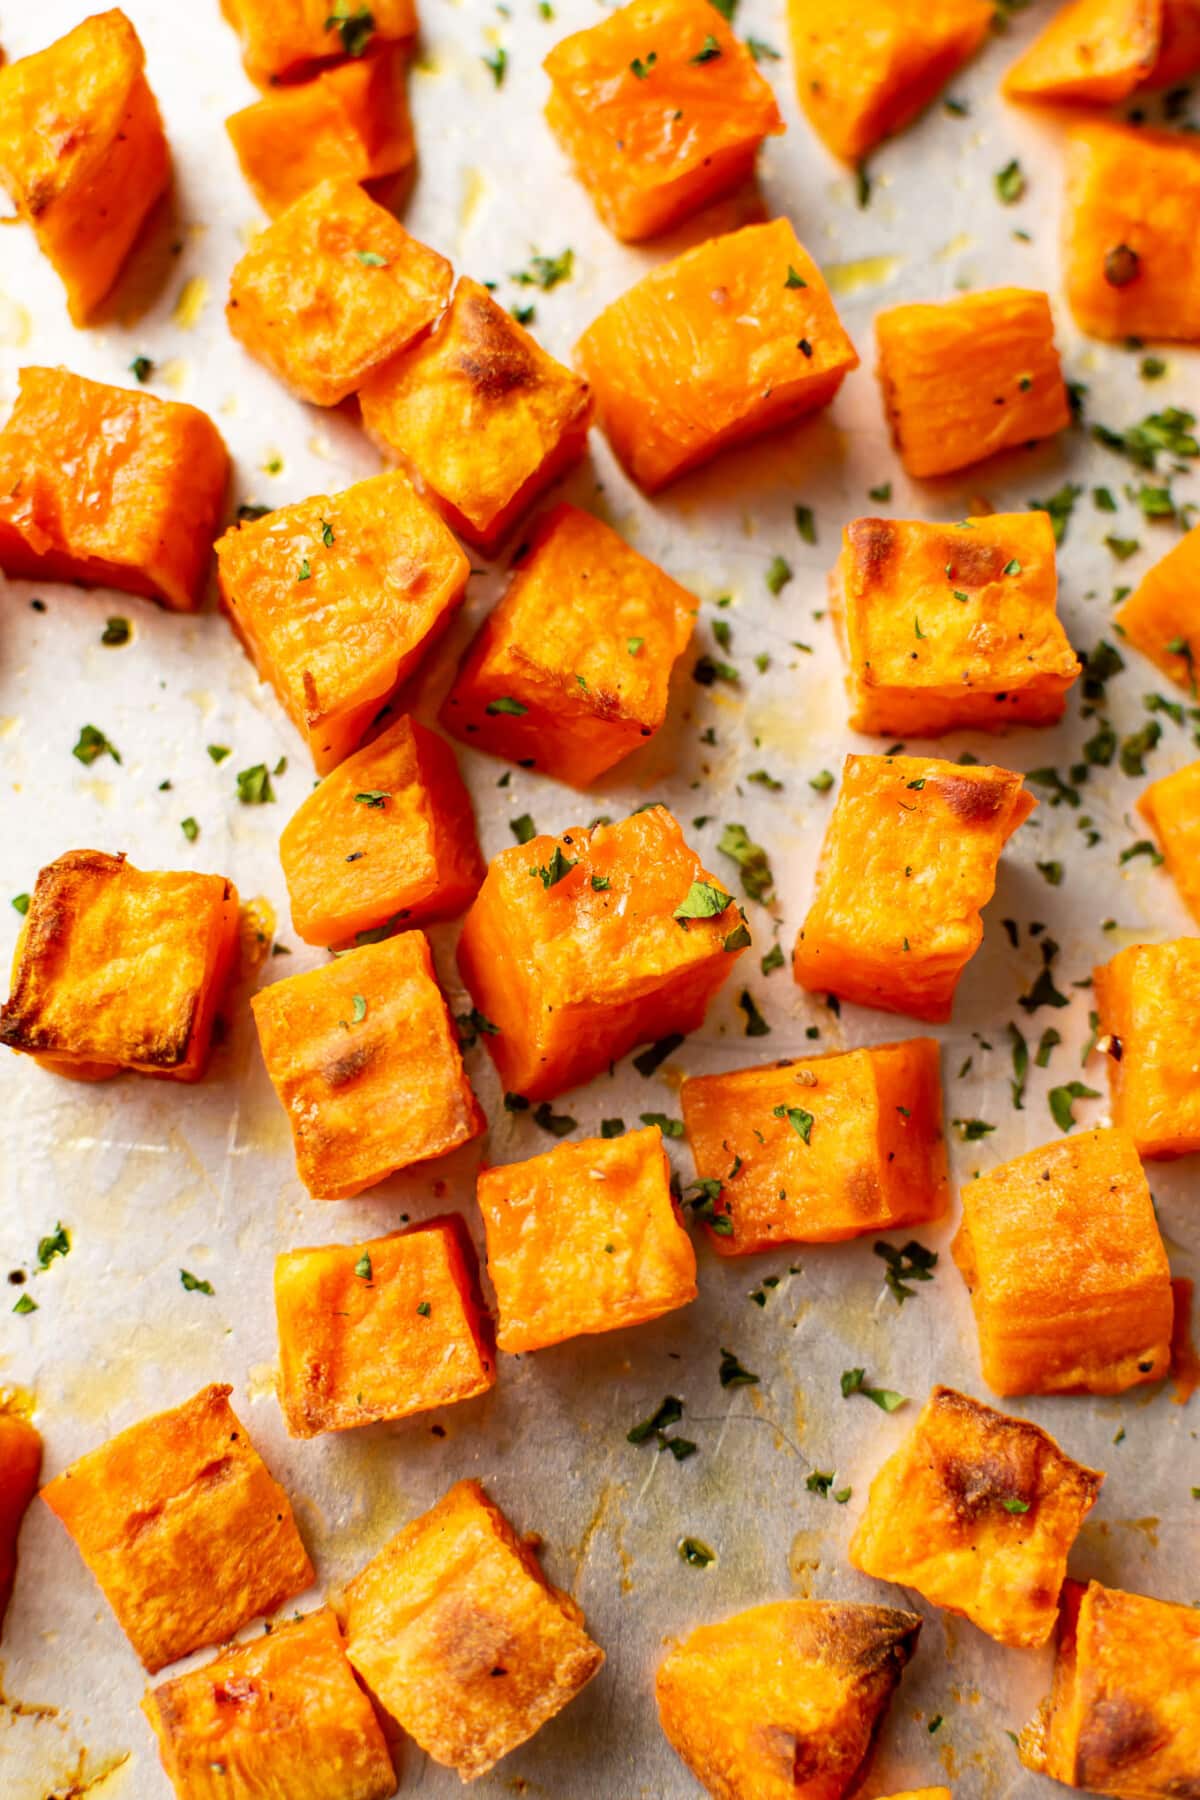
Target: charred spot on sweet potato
(1118, 1730)
(973, 802)
(873, 542)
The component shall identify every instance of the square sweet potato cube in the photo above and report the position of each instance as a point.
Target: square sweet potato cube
(729, 340)
(660, 111)
(570, 672)
(387, 838)
(120, 968)
(183, 1527)
(1123, 1713)
(1148, 998)
(581, 946)
(460, 1637)
(379, 1330)
(977, 1511)
(784, 1698)
(337, 599)
(82, 152)
(1171, 808)
(909, 859)
(282, 1714)
(1131, 263)
(818, 1150)
(1161, 618)
(109, 488)
(965, 378)
(1090, 50)
(287, 40)
(20, 1466)
(863, 73)
(1067, 1272)
(991, 650)
(583, 1239)
(363, 1056)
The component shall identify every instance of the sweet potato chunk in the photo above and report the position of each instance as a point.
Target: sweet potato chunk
(337, 599)
(730, 340)
(965, 378)
(82, 152)
(781, 1702)
(20, 1466)
(1148, 998)
(457, 1632)
(1131, 264)
(660, 110)
(866, 71)
(387, 838)
(1171, 808)
(481, 414)
(1067, 1272)
(977, 1511)
(825, 1148)
(909, 859)
(1162, 615)
(280, 1715)
(1095, 50)
(991, 650)
(183, 1527)
(120, 968)
(581, 946)
(287, 39)
(1123, 1713)
(109, 488)
(570, 672)
(583, 1239)
(363, 1056)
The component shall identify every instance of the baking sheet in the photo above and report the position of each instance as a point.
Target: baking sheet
(150, 1178)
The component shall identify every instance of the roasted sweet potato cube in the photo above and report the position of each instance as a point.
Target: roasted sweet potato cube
(280, 1715)
(864, 72)
(288, 39)
(1171, 808)
(1123, 1713)
(1131, 266)
(581, 946)
(1162, 615)
(337, 599)
(183, 1527)
(730, 340)
(379, 1330)
(82, 152)
(660, 110)
(363, 1056)
(481, 414)
(120, 968)
(570, 672)
(977, 1511)
(1148, 998)
(20, 1466)
(784, 1699)
(1094, 50)
(965, 378)
(991, 651)
(909, 859)
(821, 1149)
(1067, 1272)
(459, 1635)
(109, 488)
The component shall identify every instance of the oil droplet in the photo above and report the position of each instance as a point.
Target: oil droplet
(193, 297)
(866, 272)
(16, 326)
(958, 246)
(475, 190)
(174, 373)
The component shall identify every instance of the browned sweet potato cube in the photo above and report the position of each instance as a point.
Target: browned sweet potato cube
(1148, 998)
(287, 39)
(20, 1465)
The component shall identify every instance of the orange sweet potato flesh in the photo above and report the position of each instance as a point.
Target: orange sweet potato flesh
(584, 1239)
(992, 650)
(20, 1466)
(978, 1512)
(287, 40)
(864, 72)
(363, 1056)
(782, 1701)
(120, 968)
(909, 859)
(183, 1527)
(387, 838)
(714, 348)
(1171, 808)
(1148, 998)
(279, 1716)
(384, 577)
(573, 952)
(82, 152)
(965, 378)
(109, 488)
(583, 642)
(1067, 1271)
(351, 123)
(821, 1149)
(1129, 247)
(661, 109)
(459, 1635)
(1179, 43)
(1093, 50)
(1161, 618)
